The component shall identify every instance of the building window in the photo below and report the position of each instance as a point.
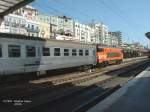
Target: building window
(30, 51)
(46, 51)
(28, 25)
(80, 52)
(0, 50)
(86, 52)
(57, 52)
(82, 38)
(14, 51)
(74, 52)
(32, 26)
(66, 52)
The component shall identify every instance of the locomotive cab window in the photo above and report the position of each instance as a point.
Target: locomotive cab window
(46, 51)
(30, 51)
(74, 52)
(0, 50)
(99, 49)
(66, 52)
(14, 50)
(57, 52)
(94, 52)
(80, 52)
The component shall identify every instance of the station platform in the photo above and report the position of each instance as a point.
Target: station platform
(132, 97)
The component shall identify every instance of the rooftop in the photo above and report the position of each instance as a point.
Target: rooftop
(8, 6)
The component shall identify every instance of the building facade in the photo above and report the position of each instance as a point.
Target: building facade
(84, 33)
(118, 34)
(43, 21)
(28, 21)
(113, 40)
(101, 33)
(15, 24)
(22, 21)
(62, 25)
(32, 28)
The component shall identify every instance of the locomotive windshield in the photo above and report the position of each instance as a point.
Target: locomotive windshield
(99, 49)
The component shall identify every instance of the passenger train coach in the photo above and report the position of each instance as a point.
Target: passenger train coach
(23, 54)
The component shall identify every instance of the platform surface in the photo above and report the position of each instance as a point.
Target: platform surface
(133, 97)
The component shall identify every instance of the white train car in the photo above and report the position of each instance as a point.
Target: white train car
(23, 54)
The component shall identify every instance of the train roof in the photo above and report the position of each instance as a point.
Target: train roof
(24, 37)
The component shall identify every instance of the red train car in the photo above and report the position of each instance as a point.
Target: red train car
(107, 55)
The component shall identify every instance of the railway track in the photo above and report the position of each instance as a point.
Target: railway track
(54, 77)
(84, 98)
(50, 82)
(70, 77)
(37, 92)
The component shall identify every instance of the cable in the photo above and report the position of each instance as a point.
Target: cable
(71, 8)
(119, 15)
(37, 5)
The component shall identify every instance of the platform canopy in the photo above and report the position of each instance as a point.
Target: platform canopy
(8, 6)
(148, 35)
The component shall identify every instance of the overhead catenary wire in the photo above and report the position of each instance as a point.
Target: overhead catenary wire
(37, 5)
(130, 25)
(117, 12)
(50, 10)
(121, 12)
(85, 14)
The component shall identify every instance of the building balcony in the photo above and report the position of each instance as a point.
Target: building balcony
(14, 24)
(33, 30)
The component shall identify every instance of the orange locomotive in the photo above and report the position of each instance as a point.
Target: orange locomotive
(107, 56)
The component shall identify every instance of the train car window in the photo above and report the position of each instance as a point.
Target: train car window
(30, 51)
(94, 52)
(14, 50)
(74, 52)
(66, 52)
(57, 52)
(46, 51)
(86, 52)
(113, 54)
(80, 52)
(0, 50)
